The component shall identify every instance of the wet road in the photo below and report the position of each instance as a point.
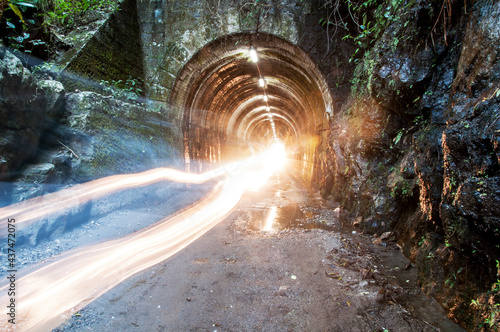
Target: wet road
(261, 269)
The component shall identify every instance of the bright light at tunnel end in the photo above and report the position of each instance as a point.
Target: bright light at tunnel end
(276, 156)
(263, 167)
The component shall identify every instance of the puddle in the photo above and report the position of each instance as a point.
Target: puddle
(391, 261)
(280, 218)
(269, 216)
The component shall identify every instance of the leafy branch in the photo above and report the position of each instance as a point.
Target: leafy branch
(19, 26)
(15, 7)
(128, 90)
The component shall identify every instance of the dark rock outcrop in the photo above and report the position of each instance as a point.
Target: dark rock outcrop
(415, 149)
(28, 109)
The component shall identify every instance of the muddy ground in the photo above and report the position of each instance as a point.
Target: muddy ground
(305, 274)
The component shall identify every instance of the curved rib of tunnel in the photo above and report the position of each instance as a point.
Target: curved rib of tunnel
(223, 110)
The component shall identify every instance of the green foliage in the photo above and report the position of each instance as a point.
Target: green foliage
(45, 69)
(452, 183)
(19, 33)
(447, 243)
(402, 189)
(450, 282)
(16, 6)
(371, 27)
(67, 13)
(63, 14)
(371, 20)
(456, 227)
(363, 72)
(128, 90)
(419, 118)
(398, 137)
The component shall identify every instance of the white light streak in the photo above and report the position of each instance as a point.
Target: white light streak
(29, 210)
(55, 291)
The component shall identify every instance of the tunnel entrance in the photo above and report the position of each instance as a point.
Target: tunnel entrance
(231, 102)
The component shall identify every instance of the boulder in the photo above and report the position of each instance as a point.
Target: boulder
(108, 136)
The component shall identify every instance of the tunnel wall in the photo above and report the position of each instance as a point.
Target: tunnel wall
(217, 91)
(154, 40)
(173, 31)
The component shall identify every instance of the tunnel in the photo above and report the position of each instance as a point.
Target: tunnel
(231, 102)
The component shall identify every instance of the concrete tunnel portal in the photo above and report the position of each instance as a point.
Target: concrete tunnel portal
(225, 110)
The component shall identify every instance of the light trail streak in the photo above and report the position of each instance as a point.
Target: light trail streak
(34, 208)
(51, 294)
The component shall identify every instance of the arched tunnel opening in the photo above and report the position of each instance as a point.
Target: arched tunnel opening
(231, 105)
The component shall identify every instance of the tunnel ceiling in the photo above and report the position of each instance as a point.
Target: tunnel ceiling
(218, 90)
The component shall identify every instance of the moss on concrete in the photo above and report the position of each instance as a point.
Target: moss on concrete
(113, 53)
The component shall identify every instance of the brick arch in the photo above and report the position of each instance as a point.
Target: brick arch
(217, 98)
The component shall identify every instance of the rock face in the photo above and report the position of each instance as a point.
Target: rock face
(107, 136)
(51, 139)
(415, 149)
(28, 108)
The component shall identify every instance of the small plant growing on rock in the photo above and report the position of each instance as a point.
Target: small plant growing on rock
(16, 26)
(490, 304)
(128, 90)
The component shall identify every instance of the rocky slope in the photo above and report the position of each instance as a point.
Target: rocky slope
(52, 139)
(415, 148)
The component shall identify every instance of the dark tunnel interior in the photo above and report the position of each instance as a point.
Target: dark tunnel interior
(226, 112)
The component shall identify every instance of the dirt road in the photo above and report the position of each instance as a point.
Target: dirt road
(310, 277)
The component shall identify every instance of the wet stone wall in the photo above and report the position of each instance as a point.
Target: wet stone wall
(415, 150)
(112, 54)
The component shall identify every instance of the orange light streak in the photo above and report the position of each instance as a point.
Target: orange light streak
(50, 295)
(34, 208)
